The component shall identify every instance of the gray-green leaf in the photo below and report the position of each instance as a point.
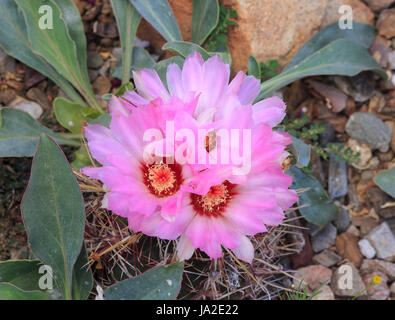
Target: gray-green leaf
(386, 181)
(301, 151)
(159, 283)
(53, 212)
(14, 40)
(19, 134)
(159, 14)
(343, 57)
(205, 17)
(316, 205)
(128, 20)
(10, 292)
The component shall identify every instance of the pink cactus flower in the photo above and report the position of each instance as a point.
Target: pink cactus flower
(205, 205)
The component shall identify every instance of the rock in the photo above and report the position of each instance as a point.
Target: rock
(324, 239)
(32, 108)
(39, 96)
(101, 85)
(270, 29)
(337, 178)
(329, 135)
(313, 276)
(93, 74)
(326, 258)
(338, 123)
(380, 53)
(360, 87)
(6, 96)
(95, 60)
(305, 255)
(370, 130)
(386, 156)
(346, 281)
(325, 293)
(376, 291)
(383, 240)
(391, 223)
(391, 60)
(7, 63)
(391, 126)
(392, 288)
(365, 224)
(353, 230)
(378, 198)
(347, 247)
(369, 266)
(366, 249)
(378, 5)
(342, 220)
(386, 23)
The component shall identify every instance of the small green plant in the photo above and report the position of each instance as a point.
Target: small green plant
(268, 69)
(218, 37)
(303, 129)
(301, 293)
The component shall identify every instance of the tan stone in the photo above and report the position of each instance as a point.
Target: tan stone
(325, 293)
(378, 5)
(270, 29)
(312, 276)
(386, 23)
(347, 247)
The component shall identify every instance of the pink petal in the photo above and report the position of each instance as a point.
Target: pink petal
(249, 90)
(185, 248)
(149, 85)
(192, 73)
(174, 81)
(214, 83)
(270, 111)
(245, 251)
(102, 143)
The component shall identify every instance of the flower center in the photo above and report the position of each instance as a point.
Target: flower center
(162, 179)
(215, 201)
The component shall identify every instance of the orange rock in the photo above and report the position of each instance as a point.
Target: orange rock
(270, 29)
(386, 23)
(347, 247)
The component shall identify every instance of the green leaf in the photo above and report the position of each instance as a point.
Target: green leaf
(205, 18)
(184, 48)
(14, 41)
(21, 273)
(253, 67)
(75, 28)
(363, 34)
(128, 20)
(81, 159)
(343, 57)
(161, 66)
(386, 181)
(71, 115)
(317, 207)
(125, 87)
(53, 212)
(57, 46)
(159, 14)
(11, 292)
(82, 277)
(141, 59)
(19, 134)
(301, 151)
(159, 283)
(104, 120)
